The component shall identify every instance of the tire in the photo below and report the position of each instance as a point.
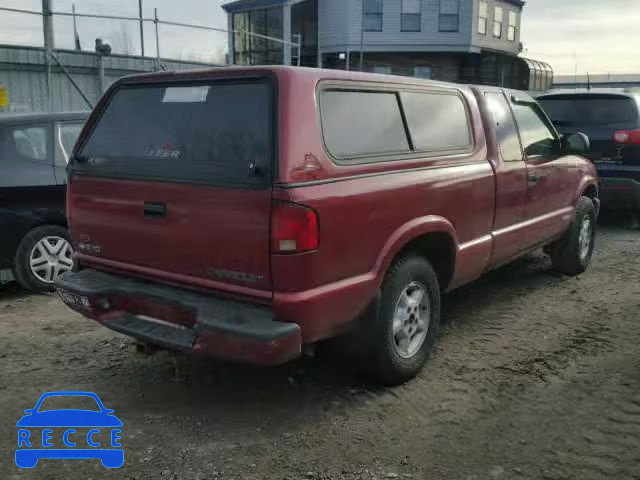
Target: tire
(48, 248)
(393, 355)
(572, 254)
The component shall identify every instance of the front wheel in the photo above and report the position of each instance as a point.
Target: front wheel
(402, 333)
(572, 254)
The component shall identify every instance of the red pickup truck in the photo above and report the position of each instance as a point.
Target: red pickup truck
(247, 212)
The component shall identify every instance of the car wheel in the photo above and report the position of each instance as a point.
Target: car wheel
(405, 325)
(572, 254)
(43, 254)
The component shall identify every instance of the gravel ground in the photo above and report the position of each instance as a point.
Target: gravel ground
(536, 376)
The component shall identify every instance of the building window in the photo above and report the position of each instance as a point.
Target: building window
(483, 15)
(304, 26)
(372, 15)
(382, 69)
(254, 50)
(513, 25)
(422, 72)
(497, 23)
(411, 15)
(449, 15)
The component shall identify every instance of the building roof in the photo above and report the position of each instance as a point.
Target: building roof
(239, 5)
(537, 65)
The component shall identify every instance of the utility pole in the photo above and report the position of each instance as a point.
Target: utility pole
(141, 27)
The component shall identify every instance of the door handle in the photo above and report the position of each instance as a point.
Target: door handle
(532, 178)
(155, 210)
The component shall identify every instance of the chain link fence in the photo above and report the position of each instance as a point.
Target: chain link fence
(52, 79)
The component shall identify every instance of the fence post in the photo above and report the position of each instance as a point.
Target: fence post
(47, 31)
(100, 73)
(155, 21)
(47, 24)
(286, 20)
(141, 28)
(362, 37)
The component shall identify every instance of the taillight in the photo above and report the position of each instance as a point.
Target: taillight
(627, 137)
(294, 228)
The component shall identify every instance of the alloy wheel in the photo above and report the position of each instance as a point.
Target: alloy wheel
(411, 319)
(50, 257)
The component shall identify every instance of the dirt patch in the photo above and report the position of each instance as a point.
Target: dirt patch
(535, 376)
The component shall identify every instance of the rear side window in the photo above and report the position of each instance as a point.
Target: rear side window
(205, 133)
(32, 143)
(67, 134)
(506, 132)
(358, 123)
(25, 155)
(436, 121)
(592, 110)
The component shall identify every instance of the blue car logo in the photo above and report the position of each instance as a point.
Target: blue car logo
(69, 433)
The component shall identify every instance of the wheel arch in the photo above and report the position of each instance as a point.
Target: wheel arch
(432, 237)
(590, 190)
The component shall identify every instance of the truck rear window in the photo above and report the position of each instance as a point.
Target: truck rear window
(206, 133)
(576, 110)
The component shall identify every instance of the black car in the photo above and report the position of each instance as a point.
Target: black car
(611, 120)
(34, 151)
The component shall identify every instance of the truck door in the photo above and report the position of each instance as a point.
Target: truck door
(549, 183)
(511, 182)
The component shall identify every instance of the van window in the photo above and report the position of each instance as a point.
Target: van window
(437, 121)
(506, 132)
(203, 133)
(360, 123)
(590, 110)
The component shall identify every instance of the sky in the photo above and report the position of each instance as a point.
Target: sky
(590, 36)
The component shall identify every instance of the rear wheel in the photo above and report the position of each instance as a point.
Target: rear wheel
(402, 333)
(572, 254)
(43, 254)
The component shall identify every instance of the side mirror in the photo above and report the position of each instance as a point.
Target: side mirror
(576, 143)
(109, 411)
(29, 411)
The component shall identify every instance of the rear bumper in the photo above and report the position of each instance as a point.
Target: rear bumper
(181, 319)
(619, 193)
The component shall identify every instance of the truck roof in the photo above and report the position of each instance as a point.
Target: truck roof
(317, 73)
